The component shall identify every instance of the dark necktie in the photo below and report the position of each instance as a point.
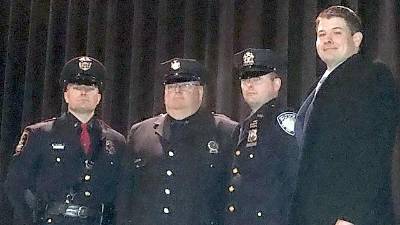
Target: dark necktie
(85, 139)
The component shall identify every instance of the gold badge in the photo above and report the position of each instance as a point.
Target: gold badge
(85, 63)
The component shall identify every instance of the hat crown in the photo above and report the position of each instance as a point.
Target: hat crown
(182, 70)
(256, 62)
(83, 69)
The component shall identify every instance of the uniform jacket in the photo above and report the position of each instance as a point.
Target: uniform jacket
(177, 170)
(347, 147)
(50, 165)
(264, 168)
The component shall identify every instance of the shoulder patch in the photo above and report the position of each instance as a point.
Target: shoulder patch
(286, 121)
(22, 141)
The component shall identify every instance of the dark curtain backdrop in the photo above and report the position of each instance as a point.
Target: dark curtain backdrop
(132, 37)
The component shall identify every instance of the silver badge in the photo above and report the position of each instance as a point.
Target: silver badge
(213, 147)
(85, 63)
(110, 148)
(252, 138)
(248, 59)
(175, 64)
(89, 164)
(287, 121)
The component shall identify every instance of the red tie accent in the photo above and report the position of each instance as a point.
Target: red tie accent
(85, 139)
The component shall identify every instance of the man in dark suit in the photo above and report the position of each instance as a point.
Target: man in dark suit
(65, 170)
(346, 129)
(178, 162)
(266, 160)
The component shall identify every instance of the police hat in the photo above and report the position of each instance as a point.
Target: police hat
(83, 70)
(178, 70)
(253, 62)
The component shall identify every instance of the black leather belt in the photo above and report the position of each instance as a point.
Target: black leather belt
(72, 210)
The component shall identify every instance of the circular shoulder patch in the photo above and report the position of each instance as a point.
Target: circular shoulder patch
(286, 121)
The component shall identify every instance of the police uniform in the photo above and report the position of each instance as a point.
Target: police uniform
(177, 168)
(51, 180)
(265, 161)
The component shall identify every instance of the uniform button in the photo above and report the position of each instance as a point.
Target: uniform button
(237, 153)
(211, 165)
(87, 193)
(166, 210)
(235, 170)
(171, 153)
(259, 214)
(169, 172)
(112, 163)
(251, 156)
(231, 208)
(231, 188)
(167, 191)
(87, 177)
(58, 159)
(49, 220)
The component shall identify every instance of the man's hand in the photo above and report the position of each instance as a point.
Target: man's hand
(343, 222)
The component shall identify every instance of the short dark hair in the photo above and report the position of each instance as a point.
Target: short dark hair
(352, 20)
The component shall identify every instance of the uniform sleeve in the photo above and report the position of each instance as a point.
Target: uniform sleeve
(21, 176)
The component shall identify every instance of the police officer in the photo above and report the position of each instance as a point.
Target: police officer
(265, 162)
(178, 160)
(65, 169)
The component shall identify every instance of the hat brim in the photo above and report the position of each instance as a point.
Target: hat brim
(83, 80)
(181, 77)
(254, 72)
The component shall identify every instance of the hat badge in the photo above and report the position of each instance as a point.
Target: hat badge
(248, 59)
(85, 63)
(175, 64)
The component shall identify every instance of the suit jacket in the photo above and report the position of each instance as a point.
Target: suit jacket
(50, 165)
(176, 170)
(264, 168)
(347, 146)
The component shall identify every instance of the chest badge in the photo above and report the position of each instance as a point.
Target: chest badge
(252, 133)
(110, 148)
(213, 147)
(286, 121)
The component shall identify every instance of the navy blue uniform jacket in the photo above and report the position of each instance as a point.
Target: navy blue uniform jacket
(264, 168)
(50, 164)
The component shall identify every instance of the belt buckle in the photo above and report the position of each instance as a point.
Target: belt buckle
(83, 212)
(76, 211)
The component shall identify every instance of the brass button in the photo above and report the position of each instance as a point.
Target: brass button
(259, 214)
(87, 177)
(167, 191)
(251, 156)
(58, 159)
(87, 193)
(231, 208)
(235, 170)
(169, 172)
(171, 153)
(49, 220)
(237, 152)
(231, 188)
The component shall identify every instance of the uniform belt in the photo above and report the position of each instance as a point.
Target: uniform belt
(72, 210)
